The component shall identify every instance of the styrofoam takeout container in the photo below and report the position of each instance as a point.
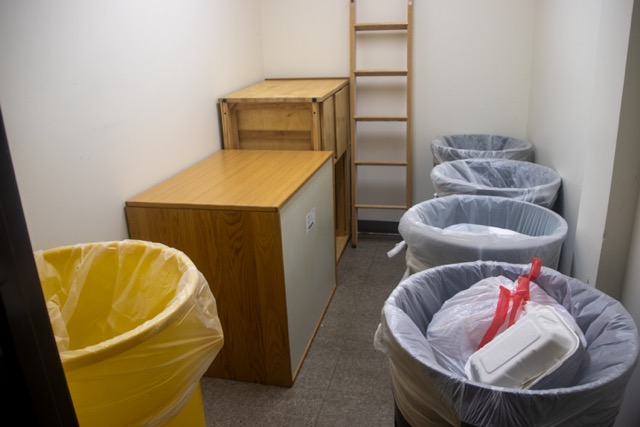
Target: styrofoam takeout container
(531, 349)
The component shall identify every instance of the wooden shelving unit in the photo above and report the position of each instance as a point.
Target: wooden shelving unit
(356, 74)
(296, 114)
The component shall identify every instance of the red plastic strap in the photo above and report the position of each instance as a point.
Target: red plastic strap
(499, 317)
(520, 296)
(536, 266)
(519, 300)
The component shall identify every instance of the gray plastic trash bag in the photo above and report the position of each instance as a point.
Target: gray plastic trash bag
(461, 228)
(515, 179)
(428, 394)
(478, 146)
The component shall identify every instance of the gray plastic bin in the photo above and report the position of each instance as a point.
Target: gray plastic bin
(474, 146)
(428, 394)
(515, 179)
(461, 228)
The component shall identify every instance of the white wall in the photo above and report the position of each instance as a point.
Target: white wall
(579, 128)
(104, 99)
(603, 128)
(472, 65)
(630, 411)
(631, 130)
(625, 184)
(305, 38)
(578, 70)
(561, 88)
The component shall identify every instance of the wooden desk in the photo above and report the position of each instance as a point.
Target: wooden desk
(260, 226)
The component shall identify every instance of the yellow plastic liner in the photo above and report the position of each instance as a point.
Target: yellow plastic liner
(136, 326)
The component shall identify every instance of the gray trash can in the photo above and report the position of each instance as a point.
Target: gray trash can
(426, 393)
(460, 228)
(472, 146)
(515, 179)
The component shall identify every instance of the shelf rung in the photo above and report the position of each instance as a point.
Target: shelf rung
(370, 73)
(380, 26)
(364, 206)
(378, 163)
(380, 118)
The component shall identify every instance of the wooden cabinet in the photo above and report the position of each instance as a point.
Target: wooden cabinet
(258, 225)
(296, 114)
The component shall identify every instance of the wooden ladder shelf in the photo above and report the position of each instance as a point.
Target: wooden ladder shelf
(355, 74)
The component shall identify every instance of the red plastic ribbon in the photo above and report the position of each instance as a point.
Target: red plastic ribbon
(499, 317)
(519, 297)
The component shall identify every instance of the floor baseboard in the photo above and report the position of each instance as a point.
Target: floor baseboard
(377, 227)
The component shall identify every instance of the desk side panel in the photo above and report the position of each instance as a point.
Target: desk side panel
(308, 242)
(240, 255)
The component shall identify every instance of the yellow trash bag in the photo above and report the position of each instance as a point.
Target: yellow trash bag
(136, 327)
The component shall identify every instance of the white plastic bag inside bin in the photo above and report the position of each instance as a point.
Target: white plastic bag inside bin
(461, 228)
(471, 319)
(529, 182)
(478, 146)
(427, 393)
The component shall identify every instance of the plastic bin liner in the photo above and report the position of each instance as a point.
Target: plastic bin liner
(515, 179)
(136, 327)
(477, 146)
(428, 394)
(460, 228)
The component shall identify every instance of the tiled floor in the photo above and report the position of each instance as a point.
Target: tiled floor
(344, 381)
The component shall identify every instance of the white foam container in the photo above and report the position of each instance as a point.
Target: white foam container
(534, 347)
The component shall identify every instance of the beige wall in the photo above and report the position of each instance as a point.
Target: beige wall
(622, 210)
(630, 411)
(472, 73)
(579, 62)
(561, 90)
(471, 65)
(104, 99)
(625, 182)
(305, 38)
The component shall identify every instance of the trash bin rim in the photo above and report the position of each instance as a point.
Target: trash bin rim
(77, 358)
(524, 144)
(389, 306)
(437, 172)
(436, 232)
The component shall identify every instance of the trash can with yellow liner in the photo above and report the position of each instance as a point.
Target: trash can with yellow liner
(136, 327)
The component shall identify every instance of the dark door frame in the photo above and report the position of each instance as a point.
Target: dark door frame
(34, 388)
